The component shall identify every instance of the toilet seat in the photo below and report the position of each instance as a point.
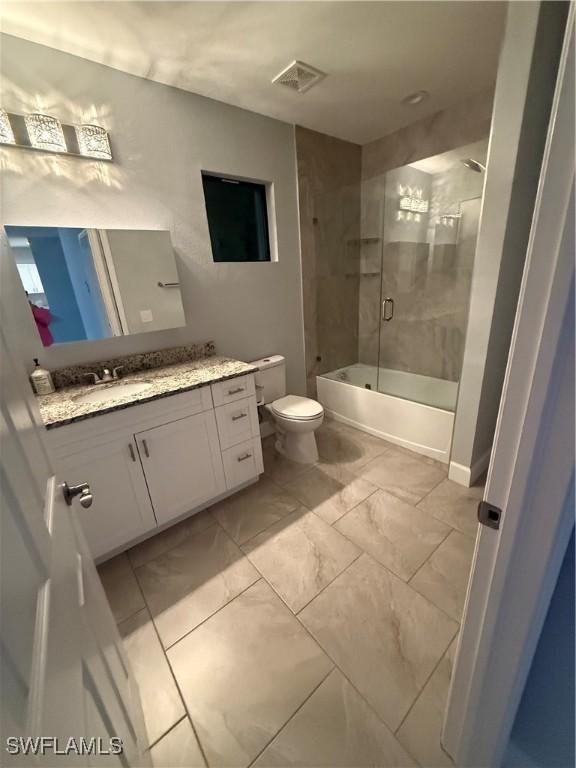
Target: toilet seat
(297, 408)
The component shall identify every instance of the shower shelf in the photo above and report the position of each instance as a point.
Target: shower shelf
(365, 240)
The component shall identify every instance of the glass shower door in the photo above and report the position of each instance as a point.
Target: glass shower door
(430, 225)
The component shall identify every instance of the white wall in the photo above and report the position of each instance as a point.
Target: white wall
(161, 139)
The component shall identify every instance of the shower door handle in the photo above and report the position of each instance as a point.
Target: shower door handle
(387, 311)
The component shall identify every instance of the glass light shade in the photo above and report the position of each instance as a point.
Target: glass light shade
(6, 132)
(45, 132)
(93, 142)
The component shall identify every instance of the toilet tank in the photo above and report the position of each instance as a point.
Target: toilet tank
(270, 378)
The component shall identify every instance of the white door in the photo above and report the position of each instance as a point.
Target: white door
(183, 464)
(531, 471)
(121, 510)
(63, 671)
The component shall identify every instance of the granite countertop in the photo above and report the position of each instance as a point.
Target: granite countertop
(61, 407)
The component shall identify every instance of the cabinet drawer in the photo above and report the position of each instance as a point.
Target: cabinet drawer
(237, 422)
(242, 462)
(234, 389)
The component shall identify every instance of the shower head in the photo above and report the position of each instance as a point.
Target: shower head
(473, 165)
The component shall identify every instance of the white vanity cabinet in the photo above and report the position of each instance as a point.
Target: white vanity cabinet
(121, 509)
(182, 464)
(153, 463)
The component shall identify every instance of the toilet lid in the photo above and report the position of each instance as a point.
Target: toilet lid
(294, 407)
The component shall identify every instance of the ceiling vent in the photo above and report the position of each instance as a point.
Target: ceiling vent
(299, 76)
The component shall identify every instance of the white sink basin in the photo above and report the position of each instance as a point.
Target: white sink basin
(107, 394)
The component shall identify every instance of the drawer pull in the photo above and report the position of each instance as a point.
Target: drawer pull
(132, 454)
(146, 451)
(243, 458)
(235, 391)
(240, 416)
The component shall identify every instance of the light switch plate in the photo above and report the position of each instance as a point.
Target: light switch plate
(146, 315)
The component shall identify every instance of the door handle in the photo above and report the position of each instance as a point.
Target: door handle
(132, 454)
(244, 457)
(146, 451)
(82, 489)
(385, 315)
(235, 391)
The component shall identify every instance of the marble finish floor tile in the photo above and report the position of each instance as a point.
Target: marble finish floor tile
(244, 673)
(252, 510)
(170, 537)
(421, 731)
(299, 556)
(382, 634)
(121, 587)
(403, 474)
(443, 578)
(191, 581)
(161, 701)
(335, 727)
(454, 504)
(396, 534)
(349, 448)
(328, 493)
(277, 467)
(179, 748)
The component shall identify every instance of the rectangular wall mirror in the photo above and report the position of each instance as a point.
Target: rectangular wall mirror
(85, 284)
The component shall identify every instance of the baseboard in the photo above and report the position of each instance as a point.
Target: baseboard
(467, 476)
(432, 453)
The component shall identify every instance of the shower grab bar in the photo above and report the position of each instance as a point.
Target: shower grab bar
(385, 316)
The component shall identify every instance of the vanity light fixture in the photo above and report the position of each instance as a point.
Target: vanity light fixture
(93, 142)
(6, 132)
(45, 132)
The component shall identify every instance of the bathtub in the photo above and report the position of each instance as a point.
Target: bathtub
(414, 411)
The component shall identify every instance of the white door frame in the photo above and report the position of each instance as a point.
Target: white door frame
(531, 472)
(101, 265)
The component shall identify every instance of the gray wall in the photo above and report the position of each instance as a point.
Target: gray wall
(161, 139)
(522, 101)
(140, 261)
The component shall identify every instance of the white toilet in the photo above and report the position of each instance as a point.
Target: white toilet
(295, 418)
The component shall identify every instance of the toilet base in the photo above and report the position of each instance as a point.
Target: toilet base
(297, 446)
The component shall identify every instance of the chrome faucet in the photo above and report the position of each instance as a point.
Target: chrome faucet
(106, 375)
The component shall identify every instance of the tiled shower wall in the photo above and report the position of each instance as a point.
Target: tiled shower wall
(329, 198)
(342, 188)
(430, 286)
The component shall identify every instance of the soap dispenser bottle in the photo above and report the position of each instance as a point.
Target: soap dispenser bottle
(41, 379)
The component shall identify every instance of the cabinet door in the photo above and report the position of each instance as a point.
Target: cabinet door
(121, 509)
(183, 464)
